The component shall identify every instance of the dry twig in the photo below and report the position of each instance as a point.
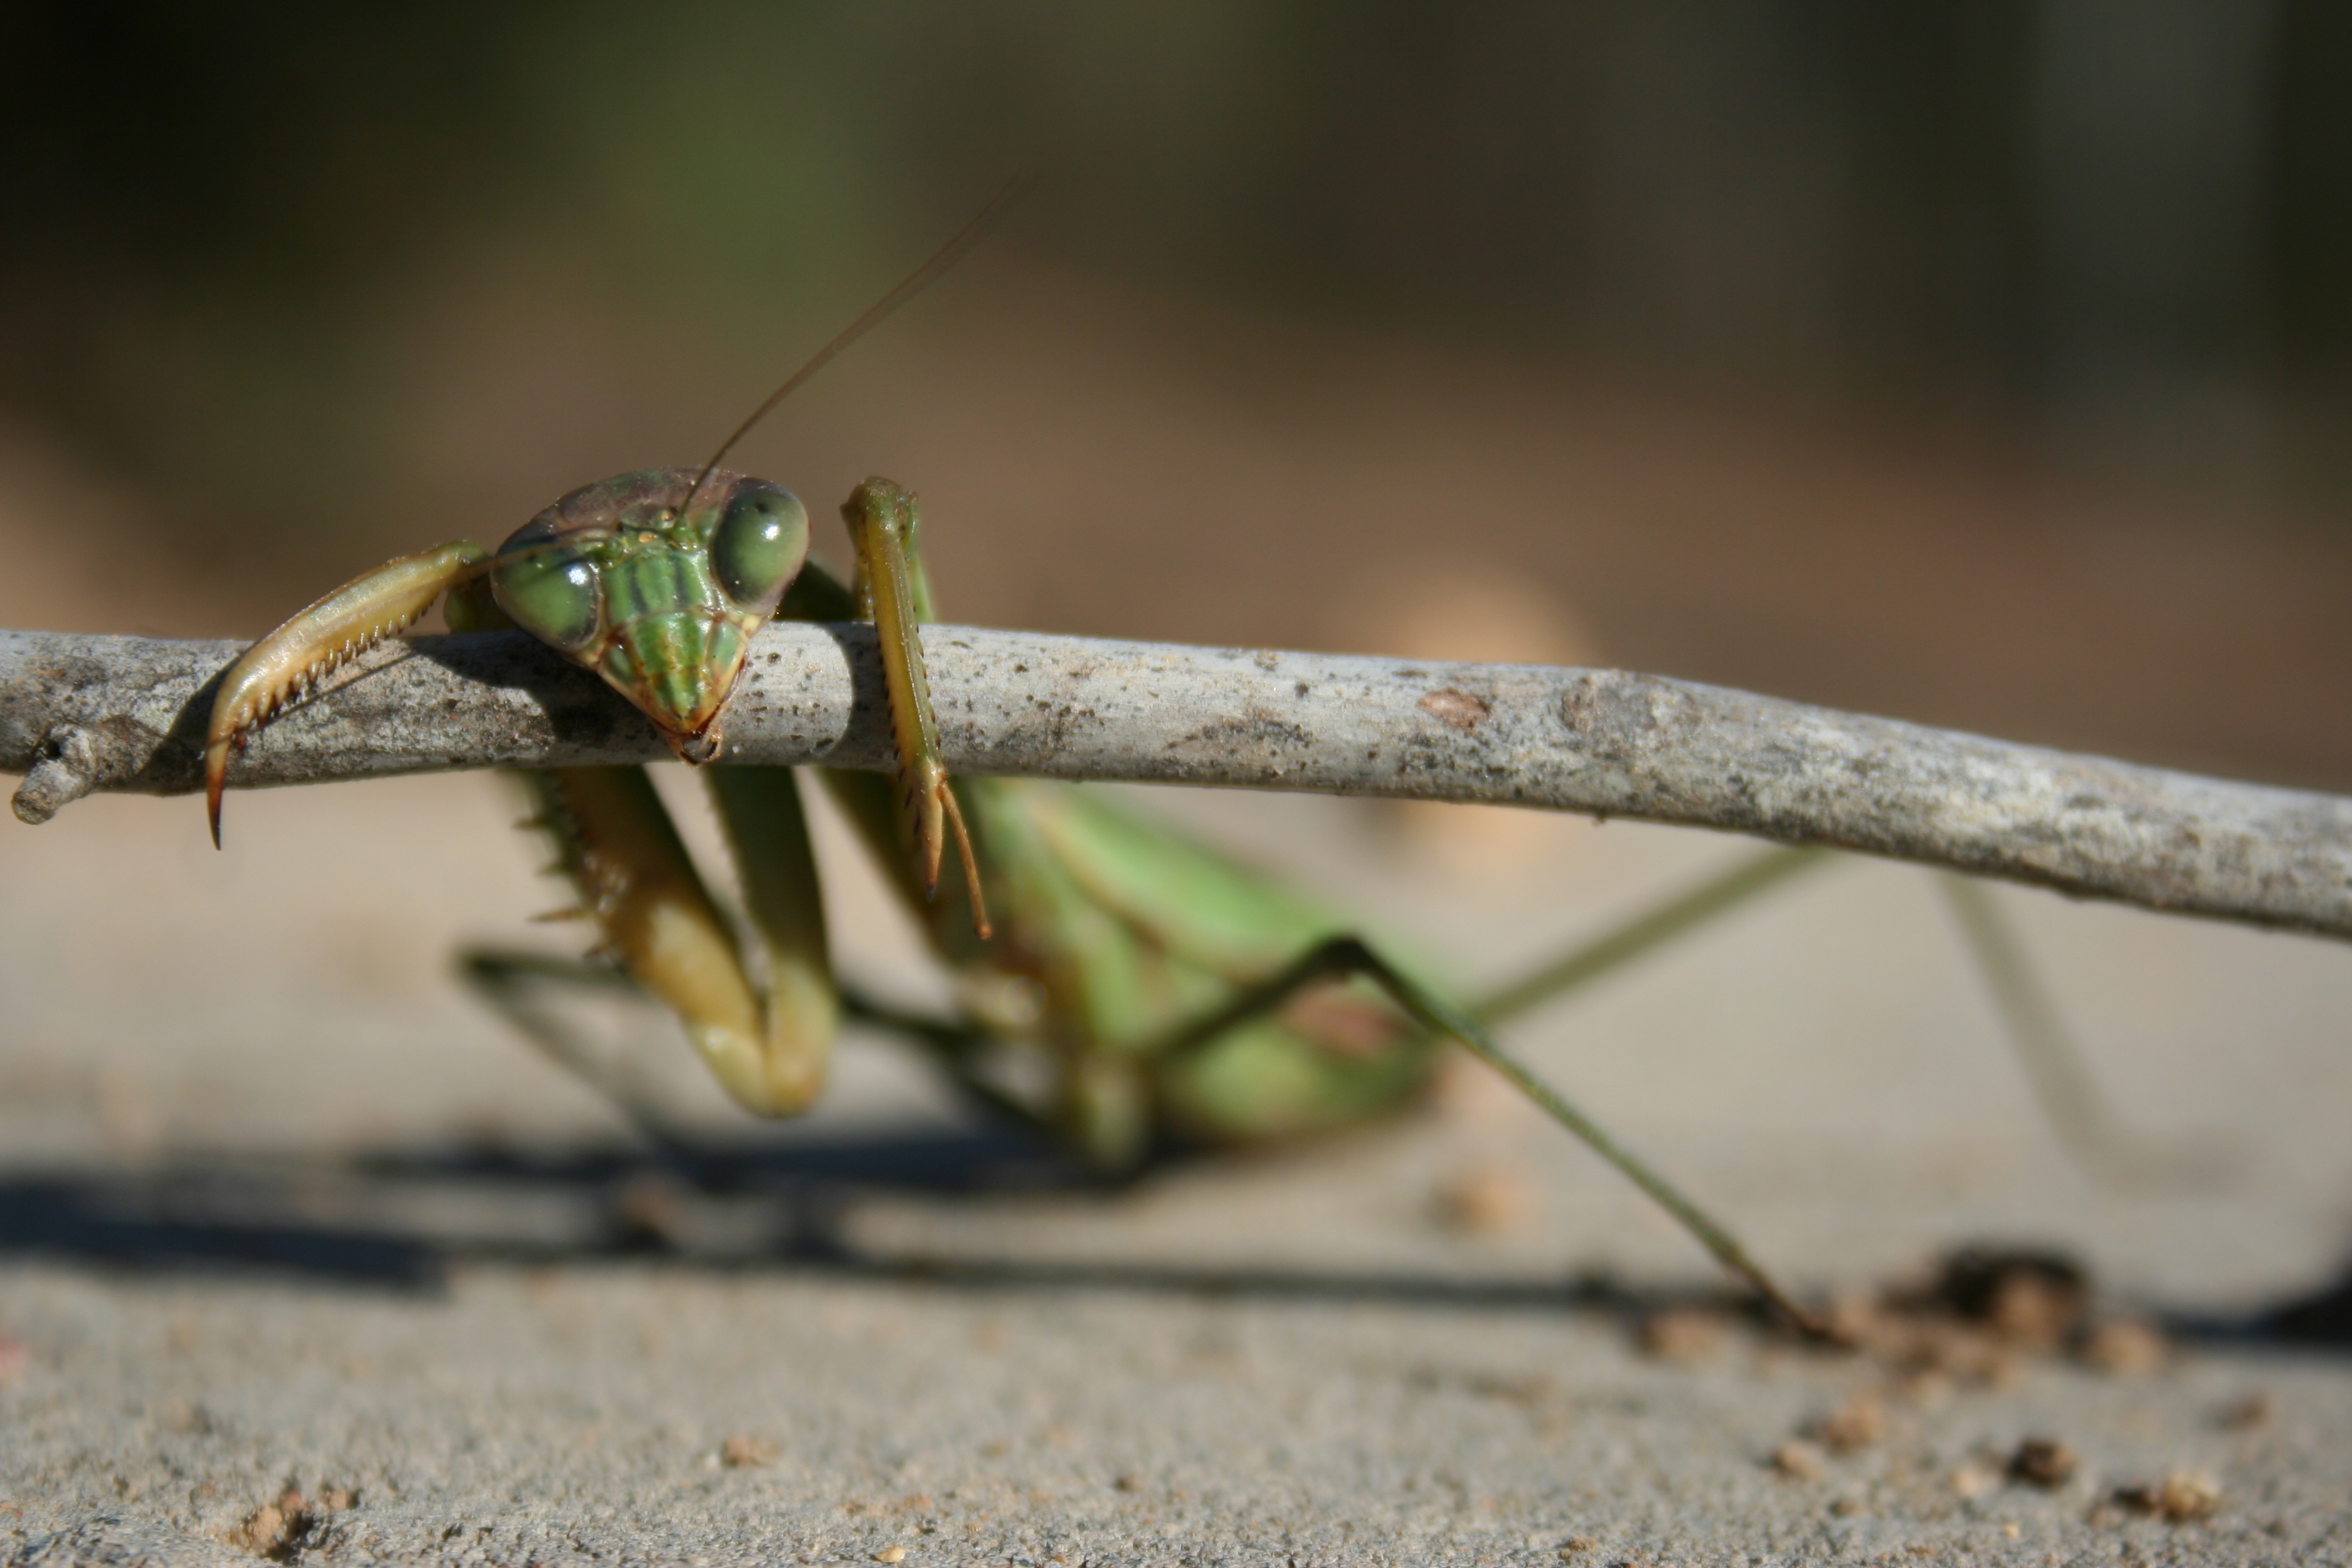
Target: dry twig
(80, 713)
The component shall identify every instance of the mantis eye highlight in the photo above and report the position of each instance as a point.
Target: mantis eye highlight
(758, 545)
(550, 591)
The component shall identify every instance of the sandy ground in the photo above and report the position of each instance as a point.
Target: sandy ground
(286, 1214)
(282, 1212)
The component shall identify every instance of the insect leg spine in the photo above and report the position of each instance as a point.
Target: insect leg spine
(298, 686)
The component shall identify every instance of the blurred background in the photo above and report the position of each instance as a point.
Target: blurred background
(1980, 363)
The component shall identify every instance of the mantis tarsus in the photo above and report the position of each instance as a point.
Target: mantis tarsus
(1168, 992)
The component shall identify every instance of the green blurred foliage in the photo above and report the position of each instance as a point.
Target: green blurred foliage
(219, 213)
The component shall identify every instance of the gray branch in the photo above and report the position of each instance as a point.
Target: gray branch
(83, 714)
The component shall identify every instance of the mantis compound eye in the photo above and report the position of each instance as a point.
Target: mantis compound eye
(548, 588)
(758, 545)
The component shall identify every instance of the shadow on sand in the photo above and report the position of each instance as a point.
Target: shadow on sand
(400, 1220)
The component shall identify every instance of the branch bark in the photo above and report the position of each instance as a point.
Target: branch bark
(83, 714)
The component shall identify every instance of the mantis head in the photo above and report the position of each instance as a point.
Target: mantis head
(661, 602)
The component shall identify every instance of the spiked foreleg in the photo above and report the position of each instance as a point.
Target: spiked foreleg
(761, 810)
(282, 666)
(620, 849)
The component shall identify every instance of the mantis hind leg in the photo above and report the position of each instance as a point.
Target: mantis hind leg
(1348, 957)
(2052, 1060)
(2045, 1049)
(2061, 1083)
(1648, 931)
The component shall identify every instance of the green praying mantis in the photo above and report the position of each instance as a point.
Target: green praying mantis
(1167, 993)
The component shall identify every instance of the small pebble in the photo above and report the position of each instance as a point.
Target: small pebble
(264, 1531)
(2030, 1299)
(268, 1529)
(891, 1554)
(1851, 1427)
(2126, 1347)
(2182, 1498)
(743, 1452)
(2045, 1462)
(1798, 1460)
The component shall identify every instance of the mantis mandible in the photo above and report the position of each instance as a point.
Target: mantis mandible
(1167, 993)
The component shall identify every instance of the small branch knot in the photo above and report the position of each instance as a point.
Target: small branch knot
(66, 769)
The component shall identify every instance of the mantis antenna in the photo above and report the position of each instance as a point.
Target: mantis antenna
(982, 224)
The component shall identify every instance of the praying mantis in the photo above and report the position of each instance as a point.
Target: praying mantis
(1163, 993)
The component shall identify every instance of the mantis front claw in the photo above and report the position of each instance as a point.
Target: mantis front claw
(283, 667)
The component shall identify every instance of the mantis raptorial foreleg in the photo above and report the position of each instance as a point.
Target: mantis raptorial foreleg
(766, 1038)
(283, 667)
(512, 981)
